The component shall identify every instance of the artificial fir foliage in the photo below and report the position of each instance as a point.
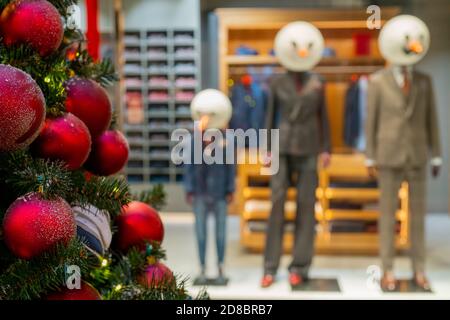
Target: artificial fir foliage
(24, 171)
(32, 279)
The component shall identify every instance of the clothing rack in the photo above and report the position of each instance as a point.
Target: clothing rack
(347, 70)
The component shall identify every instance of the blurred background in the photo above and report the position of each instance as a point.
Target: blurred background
(167, 50)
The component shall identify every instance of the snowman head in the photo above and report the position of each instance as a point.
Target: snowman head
(212, 109)
(404, 40)
(299, 46)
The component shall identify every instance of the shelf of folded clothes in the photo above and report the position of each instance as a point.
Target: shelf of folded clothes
(346, 209)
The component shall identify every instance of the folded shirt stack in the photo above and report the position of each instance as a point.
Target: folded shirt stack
(131, 39)
(155, 53)
(186, 82)
(184, 95)
(185, 68)
(157, 38)
(158, 96)
(132, 54)
(183, 38)
(243, 50)
(132, 68)
(133, 82)
(158, 68)
(158, 82)
(184, 53)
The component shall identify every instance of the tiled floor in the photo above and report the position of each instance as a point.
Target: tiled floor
(244, 269)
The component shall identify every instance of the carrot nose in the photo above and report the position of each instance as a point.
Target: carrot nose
(203, 123)
(415, 46)
(303, 53)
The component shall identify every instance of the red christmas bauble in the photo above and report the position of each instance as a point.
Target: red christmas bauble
(155, 275)
(33, 225)
(89, 101)
(86, 292)
(34, 22)
(109, 153)
(138, 224)
(22, 109)
(64, 138)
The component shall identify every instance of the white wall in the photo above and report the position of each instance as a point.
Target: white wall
(141, 14)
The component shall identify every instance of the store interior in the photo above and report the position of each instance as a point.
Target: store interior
(166, 51)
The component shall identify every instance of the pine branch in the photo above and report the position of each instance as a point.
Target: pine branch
(168, 289)
(133, 264)
(155, 197)
(103, 72)
(24, 174)
(125, 269)
(4, 3)
(105, 193)
(26, 280)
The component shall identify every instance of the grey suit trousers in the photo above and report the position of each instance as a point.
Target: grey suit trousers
(304, 168)
(390, 180)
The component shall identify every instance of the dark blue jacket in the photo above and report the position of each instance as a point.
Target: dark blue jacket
(249, 106)
(352, 116)
(214, 180)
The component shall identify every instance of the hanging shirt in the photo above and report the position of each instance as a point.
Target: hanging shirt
(362, 105)
(352, 116)
(249, 104)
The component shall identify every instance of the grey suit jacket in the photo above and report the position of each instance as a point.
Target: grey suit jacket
(301, 117)
(401, 129)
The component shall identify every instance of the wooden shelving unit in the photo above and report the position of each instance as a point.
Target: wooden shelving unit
(160, 75)
(344, 168)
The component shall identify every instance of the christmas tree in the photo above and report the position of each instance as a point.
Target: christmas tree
(59, 158)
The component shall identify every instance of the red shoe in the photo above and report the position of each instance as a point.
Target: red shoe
(295, 279)
(388, 282)
(267, 280)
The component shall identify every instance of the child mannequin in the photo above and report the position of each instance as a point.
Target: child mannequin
(210, 187)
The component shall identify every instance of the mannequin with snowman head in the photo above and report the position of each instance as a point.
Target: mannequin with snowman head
(402, 134)
(296, 106)
(209, 186)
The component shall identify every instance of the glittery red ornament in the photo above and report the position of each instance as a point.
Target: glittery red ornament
(64, 138)
(34, 22)
(22, 109)
(86, 292)
(89, 101)
(33, 225)
(109, 153)
(155, 275)
(138, 224)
